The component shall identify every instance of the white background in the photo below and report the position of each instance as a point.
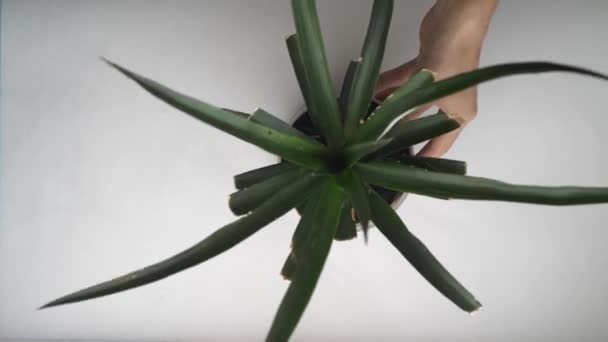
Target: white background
(98, 178)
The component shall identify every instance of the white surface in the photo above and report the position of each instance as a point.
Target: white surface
(98, 178)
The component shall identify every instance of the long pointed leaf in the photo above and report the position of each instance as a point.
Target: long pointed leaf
(347, 229)
(300, 234)
(236, 112)
(367, 73)
(289, 266)
(458, 167)
(347, 85)
(355, 152)
(358, 196)
(296, 149)
(418, 80)
(264, 118)
(312, 52)
(218, 242)
(404, 178)
(249, 178)
(407, 133)
(390, 225)
(298, 67)
(309, 264)
(399, 104)
(246, 200)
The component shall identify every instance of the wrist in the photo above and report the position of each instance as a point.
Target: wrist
(455, 28)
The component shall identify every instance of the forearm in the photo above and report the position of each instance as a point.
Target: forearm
(479, 10)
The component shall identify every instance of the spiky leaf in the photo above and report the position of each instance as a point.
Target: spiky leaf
(408, 133)
(366, 75)
(309, 264)
(304, 227)
(249, 178)
(264, 118)
(347, 228)
(312, 52)
(298, 150)
(355, 152)
(358, 195)
(346, 86)
(400, 103)
(390, 225)
(398, 177)
(218, 242)
(246, 200)
(458, 167)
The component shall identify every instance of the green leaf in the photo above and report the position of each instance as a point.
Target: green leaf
(367, 73)
(246, 200)
(400, 103)
(249, 178)
(355, 152)
(390, 225)
(312, 52)
(218, 242)
(309, 263)
(264, 118)
(408, 133)
(306, 221)
(435, 164)
(358, 195)
(399, 177)
(420, 79)
(298, 68)
(236, 112)
(300, 234)
(289, 266)
(347, 228)
(346, 86)
(296, 149)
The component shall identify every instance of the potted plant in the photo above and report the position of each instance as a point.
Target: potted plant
(354, 157)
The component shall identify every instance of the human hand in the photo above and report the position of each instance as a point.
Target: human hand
(451, 37)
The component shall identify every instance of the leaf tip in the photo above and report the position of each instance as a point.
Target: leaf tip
(476, 310)
(455, 117)
(49, 305)
(122, 70)
(109, 62)
(433, 73)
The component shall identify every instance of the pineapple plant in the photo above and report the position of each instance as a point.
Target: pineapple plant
(343, 164)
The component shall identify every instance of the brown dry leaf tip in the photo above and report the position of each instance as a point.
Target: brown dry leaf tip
(353, 214)
(430, 71)
(456, 117)
(474, 312)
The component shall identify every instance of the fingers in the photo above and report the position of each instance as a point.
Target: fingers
(392, 79)
(437, 147)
